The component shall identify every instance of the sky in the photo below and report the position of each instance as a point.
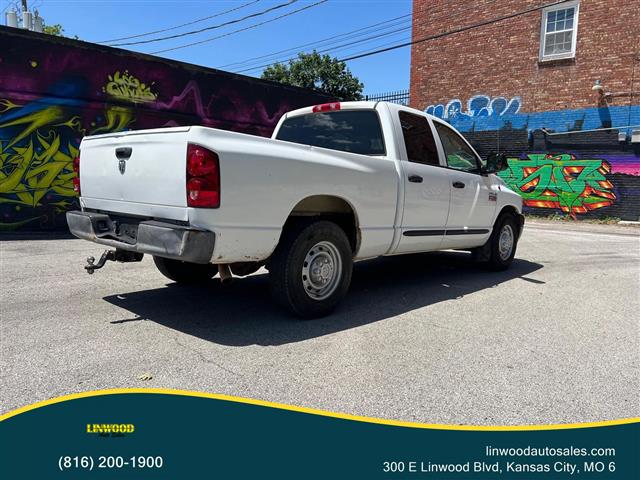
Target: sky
(100, 20)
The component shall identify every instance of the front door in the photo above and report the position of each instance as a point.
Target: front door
(473, 204)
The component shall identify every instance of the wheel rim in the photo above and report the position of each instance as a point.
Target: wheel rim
(505, 242)
(321, 270)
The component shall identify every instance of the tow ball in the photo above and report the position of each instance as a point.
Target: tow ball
(116, 255)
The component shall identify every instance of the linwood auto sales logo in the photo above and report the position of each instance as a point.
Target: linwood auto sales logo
(110, 429)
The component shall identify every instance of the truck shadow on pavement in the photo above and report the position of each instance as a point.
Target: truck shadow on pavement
(243, 313)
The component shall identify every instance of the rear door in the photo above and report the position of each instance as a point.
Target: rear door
(472, 203)
(426, 186)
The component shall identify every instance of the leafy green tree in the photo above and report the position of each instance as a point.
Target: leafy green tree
(56, 30)
(318, 72)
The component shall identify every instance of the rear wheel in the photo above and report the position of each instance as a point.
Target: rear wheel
(185, 272)
(310, 271)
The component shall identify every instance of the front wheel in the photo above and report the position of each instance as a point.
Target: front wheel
(310, 271)
(185, 272)
(502, 243)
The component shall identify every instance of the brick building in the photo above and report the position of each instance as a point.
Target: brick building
(556, 88)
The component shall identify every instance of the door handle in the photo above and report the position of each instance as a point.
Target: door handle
(123, 153)
(458, 185)
(415, 178)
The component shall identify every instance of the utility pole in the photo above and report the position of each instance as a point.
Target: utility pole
(24, 6)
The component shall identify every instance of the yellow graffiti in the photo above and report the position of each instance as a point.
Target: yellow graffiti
(6, 105)
(51, 116)
(117, 119)
(125, 86)
(32, 175)
(38, 143)
(42, 163)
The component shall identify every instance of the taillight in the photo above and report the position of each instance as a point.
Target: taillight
(326, 107)
(203, 177)
(76, 179)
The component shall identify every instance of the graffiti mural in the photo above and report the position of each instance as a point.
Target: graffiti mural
(477, 106)
(486, 114)
(577, 162)
(562, 181)
(36, 160)
(54, 91)
(129, 88)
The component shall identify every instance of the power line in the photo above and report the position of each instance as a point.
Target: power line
(380, 46)
(250, 64)
(316, 42)
(323, 50)
(331, 49)
(451, 32)
(311, 5)
(250, 67)
(320, 47)
(9, 5)
(324, 45)
(262, 67)
(182, 25)
(193, 32)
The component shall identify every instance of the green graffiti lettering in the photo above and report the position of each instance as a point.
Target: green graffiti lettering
(563, 182)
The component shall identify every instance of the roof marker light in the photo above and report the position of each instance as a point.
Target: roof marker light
(326, 107)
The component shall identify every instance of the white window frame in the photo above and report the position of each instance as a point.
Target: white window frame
(543, 31)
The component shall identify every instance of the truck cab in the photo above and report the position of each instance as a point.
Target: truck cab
(447, 198)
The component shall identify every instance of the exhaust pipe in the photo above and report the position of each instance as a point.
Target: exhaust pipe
(225, 274)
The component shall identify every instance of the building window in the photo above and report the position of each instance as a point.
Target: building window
(559, 31)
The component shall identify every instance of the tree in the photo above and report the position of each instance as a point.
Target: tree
(318, 72)
(56, 30)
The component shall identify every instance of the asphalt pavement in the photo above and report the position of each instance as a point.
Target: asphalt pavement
(429, 338)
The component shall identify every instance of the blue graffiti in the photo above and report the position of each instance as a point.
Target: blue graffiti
(484, 114)
(477, 106)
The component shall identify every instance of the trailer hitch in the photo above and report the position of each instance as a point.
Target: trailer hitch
(117, 255)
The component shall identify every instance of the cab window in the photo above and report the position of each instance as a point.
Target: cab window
(418, 139)
(458, 154)
(354, 131)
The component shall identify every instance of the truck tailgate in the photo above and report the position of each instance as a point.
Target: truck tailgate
(140, 172)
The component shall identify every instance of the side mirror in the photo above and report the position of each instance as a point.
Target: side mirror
(496, 163)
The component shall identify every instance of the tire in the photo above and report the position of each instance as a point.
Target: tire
(502, 243)
(310, 270)
(185, 272)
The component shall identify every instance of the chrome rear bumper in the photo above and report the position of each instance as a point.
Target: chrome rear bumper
(153, 237)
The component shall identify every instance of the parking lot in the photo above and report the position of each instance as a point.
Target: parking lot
(430, 338)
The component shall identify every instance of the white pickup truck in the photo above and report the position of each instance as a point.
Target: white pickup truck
(336, 183)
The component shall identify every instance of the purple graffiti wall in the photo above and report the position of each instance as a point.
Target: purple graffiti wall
(53, 91)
